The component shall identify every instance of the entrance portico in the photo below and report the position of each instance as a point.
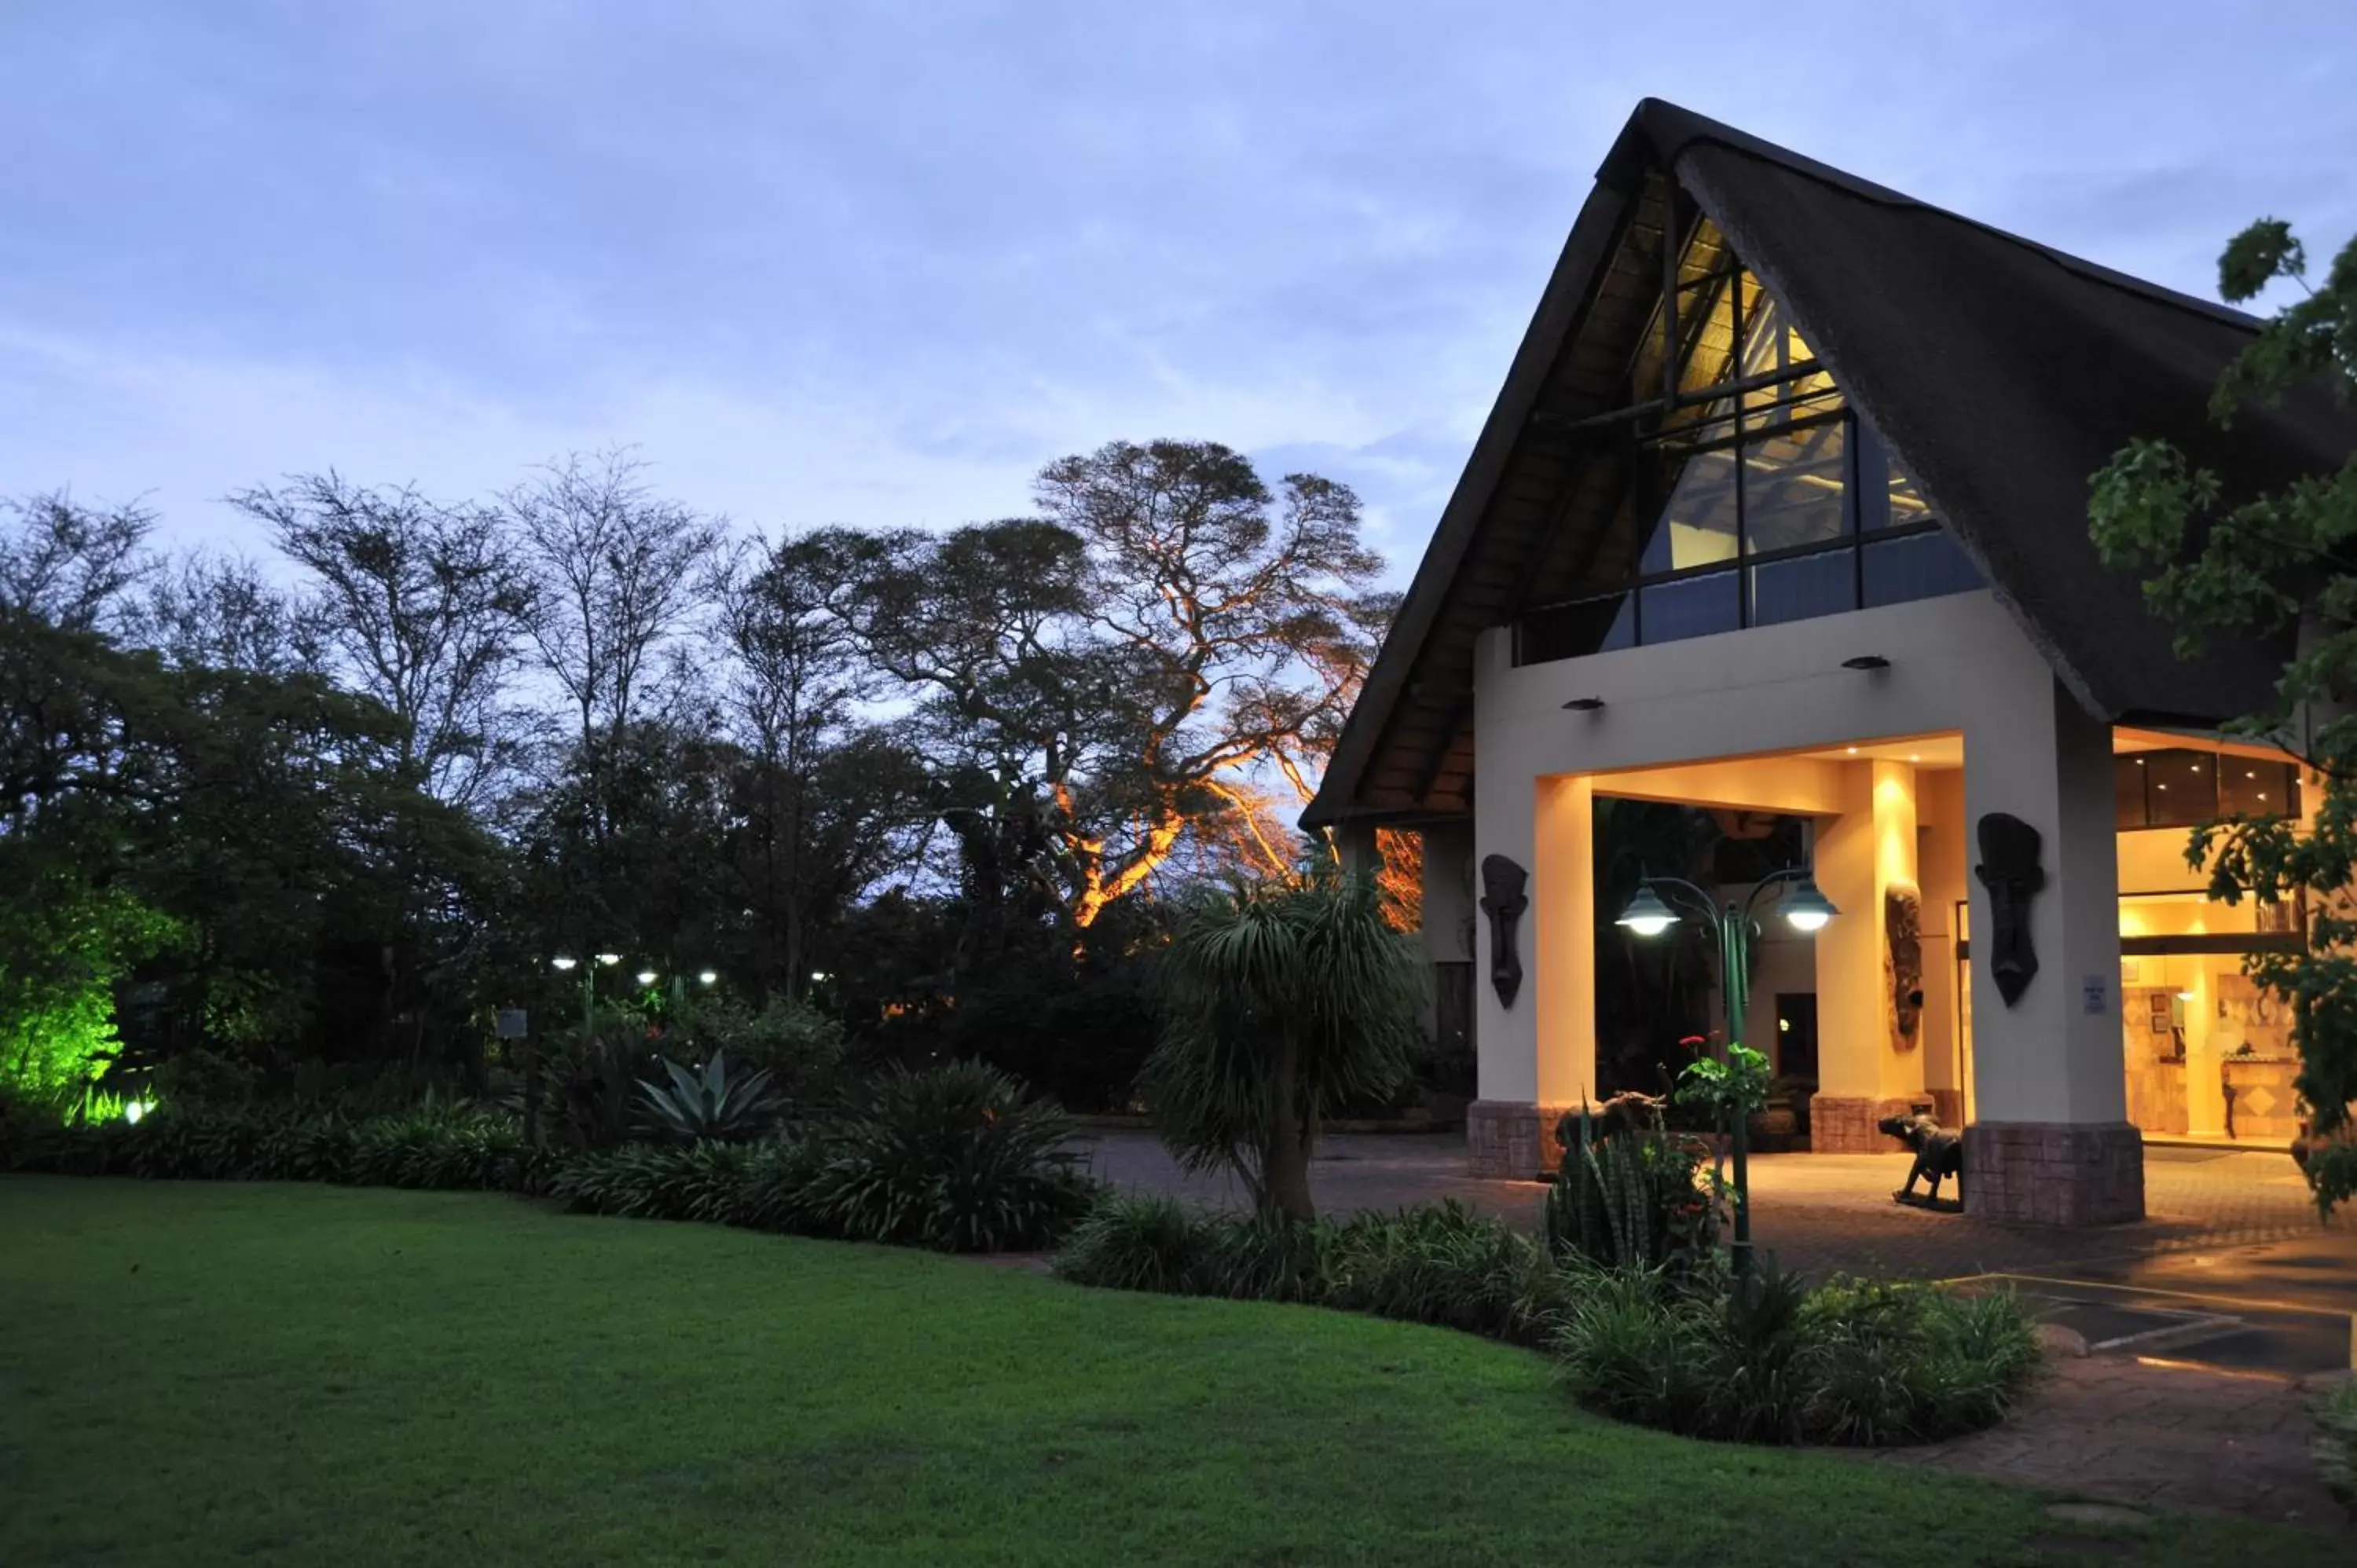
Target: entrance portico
(1953, 716)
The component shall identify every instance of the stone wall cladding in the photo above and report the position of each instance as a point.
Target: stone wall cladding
(1844, 1124)
(1515, 1142)
(2054, 1173)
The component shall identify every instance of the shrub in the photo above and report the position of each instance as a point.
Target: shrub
(1248, 1258)
(435, 1146)
(958, 1158)
(1633, 1200)
(2336, 1443)
(1138, 1243)
(1444, 1264)
(708, 1182)
(799, 1046)
(709, 1106)
(1762, 1359)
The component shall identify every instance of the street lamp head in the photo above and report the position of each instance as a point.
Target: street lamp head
(1805, 907)
(609, 958)
(706, 976)
(646, 977)
(564, 962)
(1646, 914)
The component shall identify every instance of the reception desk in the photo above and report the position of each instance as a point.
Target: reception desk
(2265, 1102)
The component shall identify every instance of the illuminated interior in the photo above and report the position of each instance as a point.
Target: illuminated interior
(1758, 496)
(2205, 1054)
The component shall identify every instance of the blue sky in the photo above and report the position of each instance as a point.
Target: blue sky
(876, 263)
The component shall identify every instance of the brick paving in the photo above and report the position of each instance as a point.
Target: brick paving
(2106, 1427)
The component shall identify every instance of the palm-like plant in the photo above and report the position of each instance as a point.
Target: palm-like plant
(710, 1105)
(1280, 998)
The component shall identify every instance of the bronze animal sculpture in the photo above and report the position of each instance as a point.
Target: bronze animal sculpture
(1628, 1112)
(1939, 1153)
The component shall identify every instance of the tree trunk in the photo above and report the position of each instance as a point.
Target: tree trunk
(1285, 1161)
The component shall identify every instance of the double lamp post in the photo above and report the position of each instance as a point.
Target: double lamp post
(1806, 909)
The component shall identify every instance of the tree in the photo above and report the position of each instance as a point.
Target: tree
(202, 609)
(1280, 998)
(2228, 562)
(420, 605)
(824, 804)
(1128, 668)
(69, 565)
(616, 571)
(1242, 620)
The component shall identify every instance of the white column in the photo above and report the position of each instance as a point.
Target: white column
(2050, 1140)
(2053, 1055)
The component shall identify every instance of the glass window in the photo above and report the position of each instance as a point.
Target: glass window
(2127, 792)
(1692, 606)
(2180, 788)
(1907, 503)
(1795, 488)
(1698, 525)
(1807, 585)
(1920, 566)
(2250, 788)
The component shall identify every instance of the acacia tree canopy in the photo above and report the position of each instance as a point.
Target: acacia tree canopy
(2225, 564)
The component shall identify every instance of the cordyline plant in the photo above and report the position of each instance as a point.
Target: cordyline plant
(1281, 999)
(2240, 565)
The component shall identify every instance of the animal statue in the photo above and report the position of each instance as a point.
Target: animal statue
(1628, 1112)
(1939, 1153)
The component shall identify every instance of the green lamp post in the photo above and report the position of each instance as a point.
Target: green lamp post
(1805, 909)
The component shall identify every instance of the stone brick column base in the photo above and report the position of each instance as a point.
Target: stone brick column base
(2054, 1173)
(1844, 1124)
(1516, 1142)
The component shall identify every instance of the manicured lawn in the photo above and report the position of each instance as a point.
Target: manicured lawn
(196, 1374)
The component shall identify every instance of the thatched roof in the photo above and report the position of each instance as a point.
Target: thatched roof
(2002, 372)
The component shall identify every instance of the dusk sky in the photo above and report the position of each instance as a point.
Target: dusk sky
(876, 263)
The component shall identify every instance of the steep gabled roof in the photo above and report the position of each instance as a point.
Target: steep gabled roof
(2003, 373)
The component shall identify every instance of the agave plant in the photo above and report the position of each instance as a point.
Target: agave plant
(694, 1106)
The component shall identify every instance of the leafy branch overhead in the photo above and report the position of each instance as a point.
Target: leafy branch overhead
(2231, 558)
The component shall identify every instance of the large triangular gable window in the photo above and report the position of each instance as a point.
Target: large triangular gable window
(1761, 497)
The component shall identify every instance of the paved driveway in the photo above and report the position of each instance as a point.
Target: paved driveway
(1822, 1213)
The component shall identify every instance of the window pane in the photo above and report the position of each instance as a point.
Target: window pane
(1772, 344)
(1921, 566)
(1697, 526)
(2127, 793)
(1694, 608)
(1908, 501)
(1807, 585)
(1794, 487)
(2181, 788)
(1576, 630)
(2256, 789)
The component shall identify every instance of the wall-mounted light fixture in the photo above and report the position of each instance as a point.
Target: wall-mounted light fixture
(1866, 661)
(1583, 704)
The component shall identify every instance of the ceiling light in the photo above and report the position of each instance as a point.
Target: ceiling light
(1866, 661)
(1853, 751)
(1583, 704)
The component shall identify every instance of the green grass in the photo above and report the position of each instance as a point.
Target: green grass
(258, 1374)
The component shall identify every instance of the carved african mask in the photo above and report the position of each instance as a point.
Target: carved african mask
(1903, 964)
(2010, 872)
(1503, 902)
